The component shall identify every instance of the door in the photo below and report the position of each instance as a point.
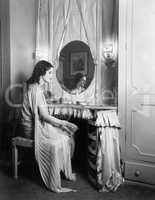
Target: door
(137, 88)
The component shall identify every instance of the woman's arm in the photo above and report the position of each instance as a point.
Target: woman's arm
(45, 116)
(43, 110)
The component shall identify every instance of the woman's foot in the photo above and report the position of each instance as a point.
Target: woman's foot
(65, 190)
(73, 177)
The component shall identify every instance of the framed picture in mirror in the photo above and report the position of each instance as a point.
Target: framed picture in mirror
(78, 63)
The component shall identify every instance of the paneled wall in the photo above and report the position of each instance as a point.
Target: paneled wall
(22, 39)
(17, 44)
(17, 41)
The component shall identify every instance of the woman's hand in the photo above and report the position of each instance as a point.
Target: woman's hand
(70, 125)
(64, 123)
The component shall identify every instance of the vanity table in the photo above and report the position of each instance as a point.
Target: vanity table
(83, 111)
(103, 161)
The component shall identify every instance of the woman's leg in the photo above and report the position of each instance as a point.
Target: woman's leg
(67, 148)
(72, 143)
(66, 144)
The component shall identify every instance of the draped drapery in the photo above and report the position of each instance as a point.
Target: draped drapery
(88, 13)
(52, 19)
(55, 19)
(59, 22)
(104, 168)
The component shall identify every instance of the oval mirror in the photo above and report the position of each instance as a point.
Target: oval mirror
(76, 67)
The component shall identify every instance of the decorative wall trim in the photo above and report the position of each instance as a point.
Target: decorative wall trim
(134, 87)
(135, 146)
(130, 37)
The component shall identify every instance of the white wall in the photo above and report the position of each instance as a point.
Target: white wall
(22, 38)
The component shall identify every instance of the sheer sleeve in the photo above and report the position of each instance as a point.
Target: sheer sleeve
(41, 101)
(36, 99)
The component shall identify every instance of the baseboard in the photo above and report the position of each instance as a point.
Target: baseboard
(130, 182)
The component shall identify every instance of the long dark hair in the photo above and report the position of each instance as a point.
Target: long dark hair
(39, 70)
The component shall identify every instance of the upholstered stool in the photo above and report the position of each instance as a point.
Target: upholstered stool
(16, 143)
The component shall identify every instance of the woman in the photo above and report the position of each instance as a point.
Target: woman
(53, 137)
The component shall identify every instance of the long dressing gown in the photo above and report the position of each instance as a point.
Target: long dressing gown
(52, 144)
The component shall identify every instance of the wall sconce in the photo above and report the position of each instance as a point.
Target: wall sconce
(108, 55)
(108, 51)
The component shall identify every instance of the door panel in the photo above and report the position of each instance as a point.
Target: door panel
(140, 138)
(140, 110)
(140, 45)
(139, 90)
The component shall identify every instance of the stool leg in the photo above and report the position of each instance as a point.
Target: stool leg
(15, 162)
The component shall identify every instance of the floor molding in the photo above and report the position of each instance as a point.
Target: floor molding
(129, 182)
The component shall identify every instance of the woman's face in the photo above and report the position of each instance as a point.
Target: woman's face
(48, 76)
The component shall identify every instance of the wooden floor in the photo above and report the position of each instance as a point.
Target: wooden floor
(29, 186)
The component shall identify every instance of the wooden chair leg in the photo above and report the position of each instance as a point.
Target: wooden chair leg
(15, 161)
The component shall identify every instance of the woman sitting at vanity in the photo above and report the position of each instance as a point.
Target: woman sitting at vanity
(53, 137)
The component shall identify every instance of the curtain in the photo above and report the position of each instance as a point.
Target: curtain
(55, 17)
(42, 31)
(88, 15)
(52, 20)
(62, 21)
